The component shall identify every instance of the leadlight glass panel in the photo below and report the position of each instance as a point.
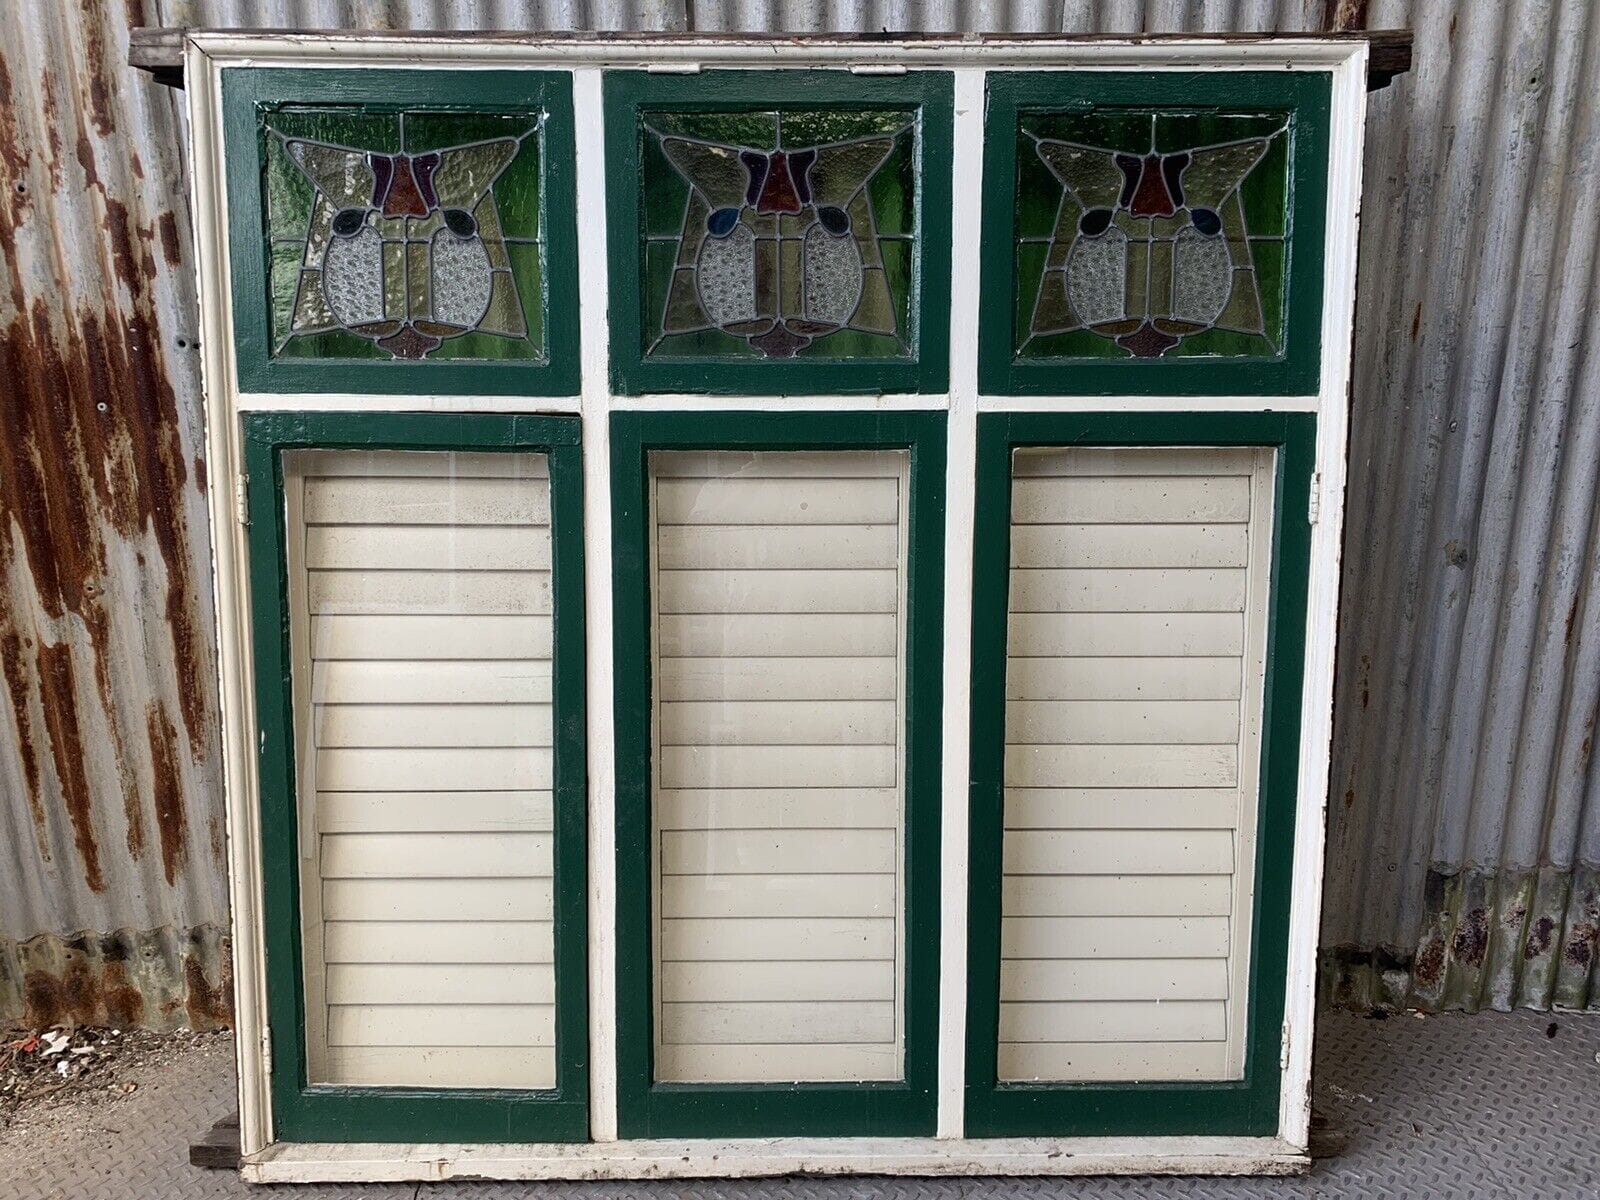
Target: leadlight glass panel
(405, 235)
(1152, 234)
(778, 234)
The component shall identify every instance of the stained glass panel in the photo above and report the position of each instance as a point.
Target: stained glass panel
(777, 234)
(1151, 234)
(404, 235)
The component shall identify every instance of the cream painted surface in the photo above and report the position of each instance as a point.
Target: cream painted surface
(420, 626)
(1134, 677)
(778, 585)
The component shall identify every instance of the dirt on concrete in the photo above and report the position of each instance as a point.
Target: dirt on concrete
(56, 1084)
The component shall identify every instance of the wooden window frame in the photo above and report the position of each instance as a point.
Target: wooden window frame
(1248, 1106)
(1307, 97)
(646, 1108)
(930, 93)
(333, 1113)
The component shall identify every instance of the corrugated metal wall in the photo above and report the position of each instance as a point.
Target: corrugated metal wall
(1464, 858)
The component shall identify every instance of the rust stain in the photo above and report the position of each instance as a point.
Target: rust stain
(11, 662)
(58, 696)
(1580, 945)
(1429, 968)
(1539, 938)
(1344, 16)
(92, 456)
(123, 1003)
(209, 1006)
(1471, 940)
(172, 822)
(171, 248)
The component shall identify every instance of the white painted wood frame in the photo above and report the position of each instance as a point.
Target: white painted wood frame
(209, 54)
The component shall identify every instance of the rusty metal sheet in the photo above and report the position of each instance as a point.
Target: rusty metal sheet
(1465, 828)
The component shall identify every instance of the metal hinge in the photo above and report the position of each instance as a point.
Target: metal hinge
(266, 1051)
(241, 500)
(1314, 500)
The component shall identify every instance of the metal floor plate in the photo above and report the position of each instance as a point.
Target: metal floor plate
(1482, 1106)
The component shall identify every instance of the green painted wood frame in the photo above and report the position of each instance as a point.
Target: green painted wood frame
(931, 93)
(646, 1108)
(1296, 371)
(1245, 1107)
(306, 1113)
(245, 90)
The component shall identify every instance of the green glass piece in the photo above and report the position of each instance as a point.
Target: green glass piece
(1069, 211)
(819, 128)
(487, 216)
(1091, 175)
(347, 126)
(1213, 174)
(663, 192)
(1270, 276)
(1077, 343)
(1265, 191)
(290, 196)
(1052, 313)
(683, 310)
(655, 282)
(713, 171)
(1243, 310)
(519, 193)
(527, 270)
(284, 281)
(757, 130)
(893, 191)
(1160, 277)
(344, 177)
(427, 131)
(841, 172)
(694, 230)
(334, 343)
(418, 276)
(861, 225)
(311, 311)
(1139, 272)
(875, 311)
(465, 174)
(504, 314)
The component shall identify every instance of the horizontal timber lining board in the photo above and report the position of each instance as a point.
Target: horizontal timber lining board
(777, 626)
(420, 599)
(1136, 637)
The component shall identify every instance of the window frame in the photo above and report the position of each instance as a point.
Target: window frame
(333, 1113)
(246, 89)
(1248, 1106)
(1297, 370)
(930, 92)
(646, 1108)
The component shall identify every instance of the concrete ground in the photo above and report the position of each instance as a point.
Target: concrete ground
(1485, 1106)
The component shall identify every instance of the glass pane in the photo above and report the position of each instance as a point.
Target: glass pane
(778, 617)
(1135, 661)
(412, 235)
(420, 602)
(1156, 234)
(777, 234)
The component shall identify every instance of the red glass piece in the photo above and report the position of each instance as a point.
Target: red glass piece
(1152, 199)
(1145, 342)
(424, 165)
(404, 198)
(778, 194)
(382, 175)
(409, 343)
(780, 342)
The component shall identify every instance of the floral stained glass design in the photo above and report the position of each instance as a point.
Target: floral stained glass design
(778, 234)
(1151, 234)
(405, 235)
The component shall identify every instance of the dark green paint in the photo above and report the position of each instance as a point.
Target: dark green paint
(712, 365)
(904, 1108)
(307, 364)
(1010, 280)
(1245, 1107)
(305, 1113)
